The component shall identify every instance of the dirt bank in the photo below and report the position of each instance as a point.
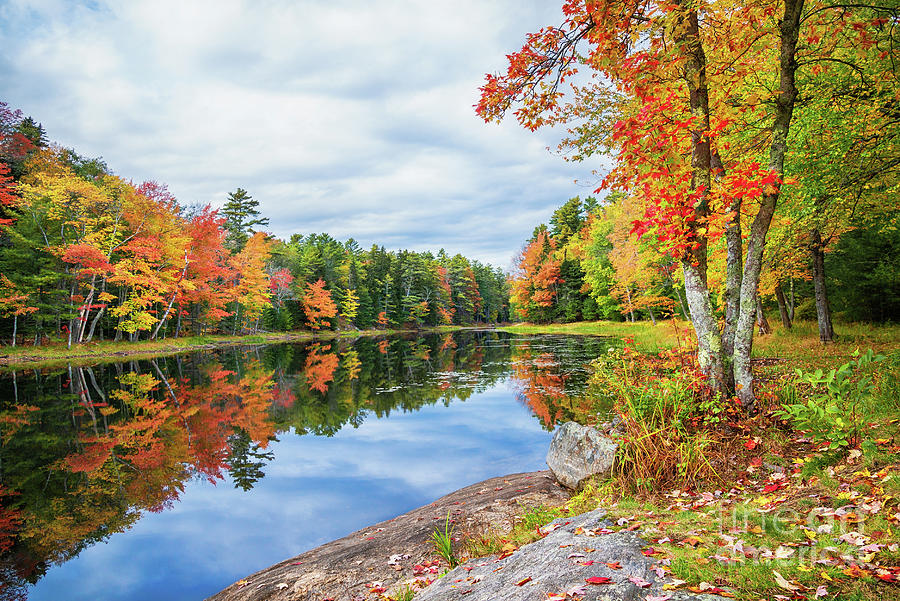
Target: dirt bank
(387, 553)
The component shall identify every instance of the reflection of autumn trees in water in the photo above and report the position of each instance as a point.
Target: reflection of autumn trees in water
(341, 383)
(94, 447)
(86, 450)
(551, 379)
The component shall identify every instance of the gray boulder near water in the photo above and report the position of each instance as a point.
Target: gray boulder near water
(560, 565)
(578, 452)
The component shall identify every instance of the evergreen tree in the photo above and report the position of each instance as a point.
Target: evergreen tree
(241, 214)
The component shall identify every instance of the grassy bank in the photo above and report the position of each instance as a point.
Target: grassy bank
(800, 343)
(647, 337)
(56, 353)
(792, 505)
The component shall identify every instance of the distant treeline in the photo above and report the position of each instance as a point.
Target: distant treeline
(588, 265)
(88, 255)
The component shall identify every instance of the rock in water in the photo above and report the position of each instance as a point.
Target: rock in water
(575, 553)
(578, 452)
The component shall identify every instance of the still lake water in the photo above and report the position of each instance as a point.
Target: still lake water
(173, 478)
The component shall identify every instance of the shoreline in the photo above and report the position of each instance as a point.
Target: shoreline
(110, 351)
(393, 551)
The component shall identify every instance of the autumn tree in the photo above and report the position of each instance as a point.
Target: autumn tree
(534, 287)
(13, 303)
(251, 292)
(682, 86)
(318, 305)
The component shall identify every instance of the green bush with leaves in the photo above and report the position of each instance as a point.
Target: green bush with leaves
(831, 413)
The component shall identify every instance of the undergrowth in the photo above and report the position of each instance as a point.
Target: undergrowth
(787, 503)
(668, 419)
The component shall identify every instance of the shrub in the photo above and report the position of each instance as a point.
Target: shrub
(831, 412)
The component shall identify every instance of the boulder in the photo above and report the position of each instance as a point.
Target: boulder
(578, 452)
(556, 564)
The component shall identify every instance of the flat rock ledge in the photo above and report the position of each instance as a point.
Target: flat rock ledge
(555, 564)
(344, 570)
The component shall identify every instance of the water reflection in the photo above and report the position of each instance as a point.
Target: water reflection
(87, 451)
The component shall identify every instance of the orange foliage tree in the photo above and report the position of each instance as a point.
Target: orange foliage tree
(534, 287)
(318, 305)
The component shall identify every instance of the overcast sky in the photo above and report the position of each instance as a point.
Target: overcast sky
(350, 117)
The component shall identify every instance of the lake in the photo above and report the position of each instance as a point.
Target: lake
(172, 478)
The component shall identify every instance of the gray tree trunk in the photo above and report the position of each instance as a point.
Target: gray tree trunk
(823, 310)
(710, 354)
(792, 303)
(703, 318)
(784, 109)
(782, 307)
(733, 266)
(761, 322)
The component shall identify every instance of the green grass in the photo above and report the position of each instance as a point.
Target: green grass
(647, 337)
(801, 342)
(442, 541)
(525, 530)
(405, 593)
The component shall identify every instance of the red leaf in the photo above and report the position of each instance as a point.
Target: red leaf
(598, 580)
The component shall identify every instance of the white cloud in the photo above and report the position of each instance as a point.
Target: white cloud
(349, 117)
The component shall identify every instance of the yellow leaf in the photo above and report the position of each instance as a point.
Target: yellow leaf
(825, 576)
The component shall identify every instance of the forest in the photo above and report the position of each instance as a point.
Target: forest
(585, 266)
(88, 255)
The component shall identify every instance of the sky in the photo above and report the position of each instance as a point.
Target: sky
(349, 117)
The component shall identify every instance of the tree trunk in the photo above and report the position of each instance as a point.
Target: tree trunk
(694, 264)
(652, 316)
(733, 268)
(15, 327)
(823, 310)
(782, 307)
(72, 312)
(761, 322)
(703, 318)
(792, 303)
(94, 322)
(96, 319)
(784, 109)
(628, 297)
(85, 310)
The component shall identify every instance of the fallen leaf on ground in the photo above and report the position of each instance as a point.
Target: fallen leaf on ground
(783, 583)
(639, 582)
